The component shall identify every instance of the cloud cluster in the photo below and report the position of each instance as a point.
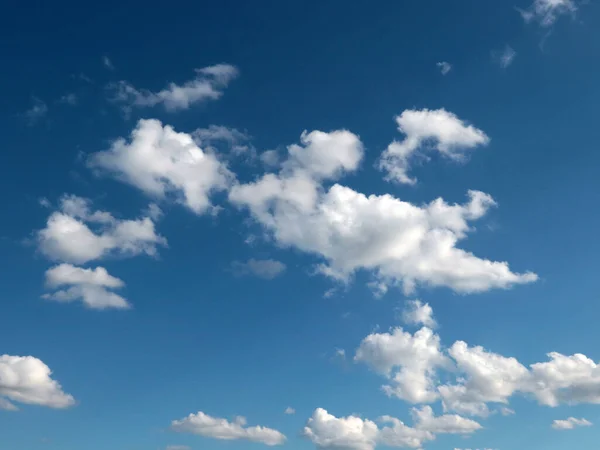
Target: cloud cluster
(398, 242)
(25, 379)
(208, 84)
(217, 428)
(354, 433)
(427, 129)
(161, 161)
(412, 363)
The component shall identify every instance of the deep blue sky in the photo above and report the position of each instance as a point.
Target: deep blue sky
(200, 338)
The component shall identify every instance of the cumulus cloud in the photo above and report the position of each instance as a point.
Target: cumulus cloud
(418, 313)
(208, 84)
(262, 268)
(76, 234)
(570, 423)
(408, 361)
(427, 129)
(398, 242)
(91, 286)
(444, 67)
(160, 161)
(25, 379)
(354, 433)
(289, 410)
(546, 12)
(217, 428)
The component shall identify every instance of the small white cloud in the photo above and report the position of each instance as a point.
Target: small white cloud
(217, 428)
(91, 286)
(38, 110)
(447, 424)
(444, 67)
(107, 63)
(25, 379)
(160, 161)
(570, 423)
(69, 99)
(546, 12)
(262, 268)
(68, 235)
(207, 85)
(289, 410)
(505, 57)
(442, 130)
(346, 433)
(418, 313)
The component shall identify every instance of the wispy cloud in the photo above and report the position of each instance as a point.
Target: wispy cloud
(505, 57)
(444, 67)
(108, 63)
(38, 110)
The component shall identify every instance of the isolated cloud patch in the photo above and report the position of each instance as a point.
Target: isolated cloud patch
(570, 423)
(262, 268)
(208, 84)
(76, 234)
(218, 428)
(90, 286)
(428, 130)
(25, 379)
(162, 162)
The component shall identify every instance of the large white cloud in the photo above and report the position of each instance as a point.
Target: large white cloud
(208, 84)
(355, 433)
(428, 129)
(160, 161)
(218, 428)
(570, 423)
(25, 379)
(91, 286)
(400, 243)
(408, 361)
(68, 235)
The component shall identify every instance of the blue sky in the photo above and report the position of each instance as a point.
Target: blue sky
(354, 225)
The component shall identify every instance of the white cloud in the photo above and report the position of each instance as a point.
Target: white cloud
(346, 433)
(504, 57)
(444, 67)
(107, 63)
(262, 268)
(25, 379)
(408, 361)
(217, 428)
(289, 410)
(160, 161)
(68, 236)
(398, 242)
(91, 286)
(207, 85)
(38, 110)
(427, 129)
(354, 433)
(570, 423)
(418, 313)
(546, 12)
(446, 424)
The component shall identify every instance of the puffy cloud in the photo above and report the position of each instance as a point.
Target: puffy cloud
(91, 286)
(441, 129)
(408, 361)
(160, 161)
(262, 268)
(446, 424)
(418, 313)
(25, 379)
(570, 423)
(444, 67)
(289, 410)
(206, 85)
(346, 433)
(217, 428)
(546, 12)
(400, 243)
(354, 433)
(68, 236)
